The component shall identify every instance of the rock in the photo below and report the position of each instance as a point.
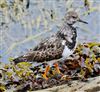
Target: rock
(92, 85)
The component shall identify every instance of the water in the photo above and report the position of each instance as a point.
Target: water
(41, 19)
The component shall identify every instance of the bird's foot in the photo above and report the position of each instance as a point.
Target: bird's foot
(57, 68)
(45, 72)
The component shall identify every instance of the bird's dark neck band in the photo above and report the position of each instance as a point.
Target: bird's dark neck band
(61, 35)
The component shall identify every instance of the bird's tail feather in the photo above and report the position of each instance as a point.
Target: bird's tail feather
(25, 58)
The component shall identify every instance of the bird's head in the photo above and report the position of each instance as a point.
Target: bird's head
(72, 17)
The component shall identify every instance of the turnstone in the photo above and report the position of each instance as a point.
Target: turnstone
(58, 46)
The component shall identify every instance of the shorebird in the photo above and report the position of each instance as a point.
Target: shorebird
(57, 47)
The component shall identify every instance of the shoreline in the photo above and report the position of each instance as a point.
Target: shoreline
(93, 85)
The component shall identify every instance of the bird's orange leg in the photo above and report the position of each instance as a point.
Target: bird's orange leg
(64, 77)
(45, 72)
(57, 68)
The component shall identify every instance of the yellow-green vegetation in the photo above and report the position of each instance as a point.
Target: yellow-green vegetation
(84, 63)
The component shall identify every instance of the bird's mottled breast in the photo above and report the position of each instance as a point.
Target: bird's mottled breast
(69, 34)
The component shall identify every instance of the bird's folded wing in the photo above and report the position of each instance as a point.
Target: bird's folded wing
(52, 42)
(47, 50)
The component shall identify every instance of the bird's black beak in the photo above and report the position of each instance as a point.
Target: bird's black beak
(82, 21)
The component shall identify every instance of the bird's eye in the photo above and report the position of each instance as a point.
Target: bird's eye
(74, 17)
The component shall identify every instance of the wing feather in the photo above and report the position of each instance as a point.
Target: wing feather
(47, 50)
